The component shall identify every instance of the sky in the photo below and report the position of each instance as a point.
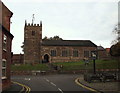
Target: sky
(70, 19)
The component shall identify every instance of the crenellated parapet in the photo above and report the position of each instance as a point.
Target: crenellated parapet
(31, 24)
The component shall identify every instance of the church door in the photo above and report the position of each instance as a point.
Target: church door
(46, 58)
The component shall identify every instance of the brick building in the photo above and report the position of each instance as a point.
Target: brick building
(18, 59)
(37, 50)
(6, 41)
(103, 54)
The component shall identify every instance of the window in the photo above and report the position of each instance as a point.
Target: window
(53, 53)
(5, 38)
(64, 53)
(33, 33)
(4, 42)
(86, 53)
(3, 68)
(75, 53)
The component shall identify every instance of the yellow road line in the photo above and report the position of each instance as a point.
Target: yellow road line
(77, 82)
(22, 89)
(24, 86)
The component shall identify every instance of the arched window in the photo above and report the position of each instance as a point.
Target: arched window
(75, 53)
(86, 53)
(65, 53)
(53, 53)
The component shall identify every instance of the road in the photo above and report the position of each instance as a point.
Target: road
(60, 83)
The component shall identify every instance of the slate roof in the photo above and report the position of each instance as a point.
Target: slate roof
(100, 48)
(82, 43)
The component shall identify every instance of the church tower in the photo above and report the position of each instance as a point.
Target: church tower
(32, 43)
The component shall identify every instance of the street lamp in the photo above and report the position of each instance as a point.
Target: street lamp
(94, 58)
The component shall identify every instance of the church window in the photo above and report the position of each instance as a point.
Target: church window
(53, 53)
(64, 53)
(86, 53)
(75, 53)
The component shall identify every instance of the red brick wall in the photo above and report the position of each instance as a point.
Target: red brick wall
(103, 55)
(6, 15)
(18, 59)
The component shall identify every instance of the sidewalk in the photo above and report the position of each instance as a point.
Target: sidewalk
(107, 87)
(14, 87)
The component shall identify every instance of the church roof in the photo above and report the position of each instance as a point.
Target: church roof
(83, 43)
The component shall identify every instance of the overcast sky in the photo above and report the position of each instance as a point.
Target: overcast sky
(70, 19)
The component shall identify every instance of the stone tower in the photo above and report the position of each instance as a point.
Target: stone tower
(32, 43)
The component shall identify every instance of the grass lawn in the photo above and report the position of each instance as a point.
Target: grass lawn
(100, 64)
(112, 64)
(27, 67)
(69, 66)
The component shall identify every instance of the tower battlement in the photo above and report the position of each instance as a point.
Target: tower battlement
(31, 24)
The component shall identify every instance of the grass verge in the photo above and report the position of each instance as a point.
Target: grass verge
(69, 66)
(28, 67)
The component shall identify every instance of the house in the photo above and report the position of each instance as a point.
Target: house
(6, 42)
(103, 54)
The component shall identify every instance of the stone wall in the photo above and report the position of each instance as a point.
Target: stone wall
(32, 43)
(69, 58)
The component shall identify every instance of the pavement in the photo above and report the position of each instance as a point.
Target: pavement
(14, 87)
(107, 87)
(17, 87)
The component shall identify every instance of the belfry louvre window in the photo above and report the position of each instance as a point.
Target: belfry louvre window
(33, 33)
(4, 42)
(3, 68)
(53, 53)
(64, 53)
(75, 53)
(86, 53)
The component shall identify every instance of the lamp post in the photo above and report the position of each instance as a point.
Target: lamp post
(94, 58)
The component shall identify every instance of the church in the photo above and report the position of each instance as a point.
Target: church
(37, 50)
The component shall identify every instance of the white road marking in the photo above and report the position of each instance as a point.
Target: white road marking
(60, 90)
(52, 83)
(47, 80)
(27, 79)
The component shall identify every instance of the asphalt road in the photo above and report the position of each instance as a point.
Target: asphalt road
(58, 83)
